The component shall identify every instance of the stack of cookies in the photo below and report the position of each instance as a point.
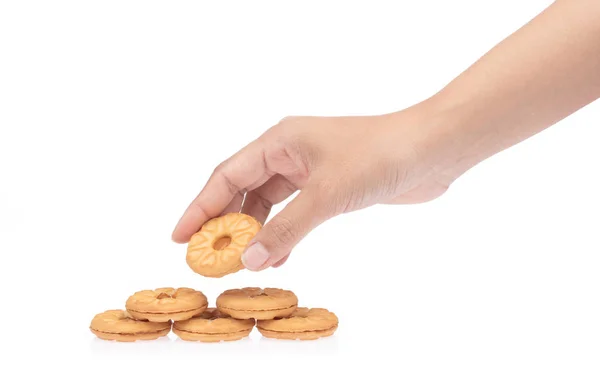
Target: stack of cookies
(277, 313)
(215, 251)
(151, 314)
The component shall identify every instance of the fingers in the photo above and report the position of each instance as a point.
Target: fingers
(258, 202)
(228, 182)
(279, 236)
(282, 261)
(235, 205)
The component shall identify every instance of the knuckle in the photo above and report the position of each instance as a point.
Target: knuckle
(197, 205)
(220, 168)
(289, 125)
(233, 188)
(221, 172)
(287, 119)
(283, 231)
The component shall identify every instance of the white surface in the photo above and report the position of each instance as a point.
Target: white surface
(114, 113)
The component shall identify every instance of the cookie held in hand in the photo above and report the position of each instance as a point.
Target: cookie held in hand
(256, 303)
(163, 304)
(216, 250)
(118, 325)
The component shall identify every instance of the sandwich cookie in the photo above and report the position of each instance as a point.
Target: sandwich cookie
(216, 250)
(163, 304)
(118, 325)
(302, 324)
(213, 326)
(256, 303)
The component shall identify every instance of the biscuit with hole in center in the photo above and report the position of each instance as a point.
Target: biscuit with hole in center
(303, 324)
(213, 326)
(163, 304)
(257, 303)
(118, 325)
(216, 250)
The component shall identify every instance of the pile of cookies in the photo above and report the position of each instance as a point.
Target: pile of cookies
(150, 314)
(215, 251)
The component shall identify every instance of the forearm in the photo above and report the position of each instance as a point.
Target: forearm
(542, 73)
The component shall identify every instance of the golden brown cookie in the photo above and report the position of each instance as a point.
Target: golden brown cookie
(118, 325)
(216, 250)
(163, 304)
(213, 326)
(303, 324)
(257, 303)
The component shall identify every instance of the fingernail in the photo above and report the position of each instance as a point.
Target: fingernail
(255, 256)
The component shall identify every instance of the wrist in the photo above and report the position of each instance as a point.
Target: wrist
(451, 139)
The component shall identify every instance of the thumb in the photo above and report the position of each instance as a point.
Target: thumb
(277, 238)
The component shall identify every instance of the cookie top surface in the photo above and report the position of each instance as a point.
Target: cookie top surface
(303, 319)
(216, 250)
(166, 300)
(257, 299)
(120, 322)
(212, 321)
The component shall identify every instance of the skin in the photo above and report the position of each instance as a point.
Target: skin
(539, 75)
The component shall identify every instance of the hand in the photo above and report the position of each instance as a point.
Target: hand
(519, 88)
(338, 164)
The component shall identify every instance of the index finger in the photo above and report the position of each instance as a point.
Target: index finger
(245, 169)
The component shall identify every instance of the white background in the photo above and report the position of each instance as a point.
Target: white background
(114, 113)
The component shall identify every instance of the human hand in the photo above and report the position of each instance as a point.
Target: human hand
(338, 164)
(341, 164)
